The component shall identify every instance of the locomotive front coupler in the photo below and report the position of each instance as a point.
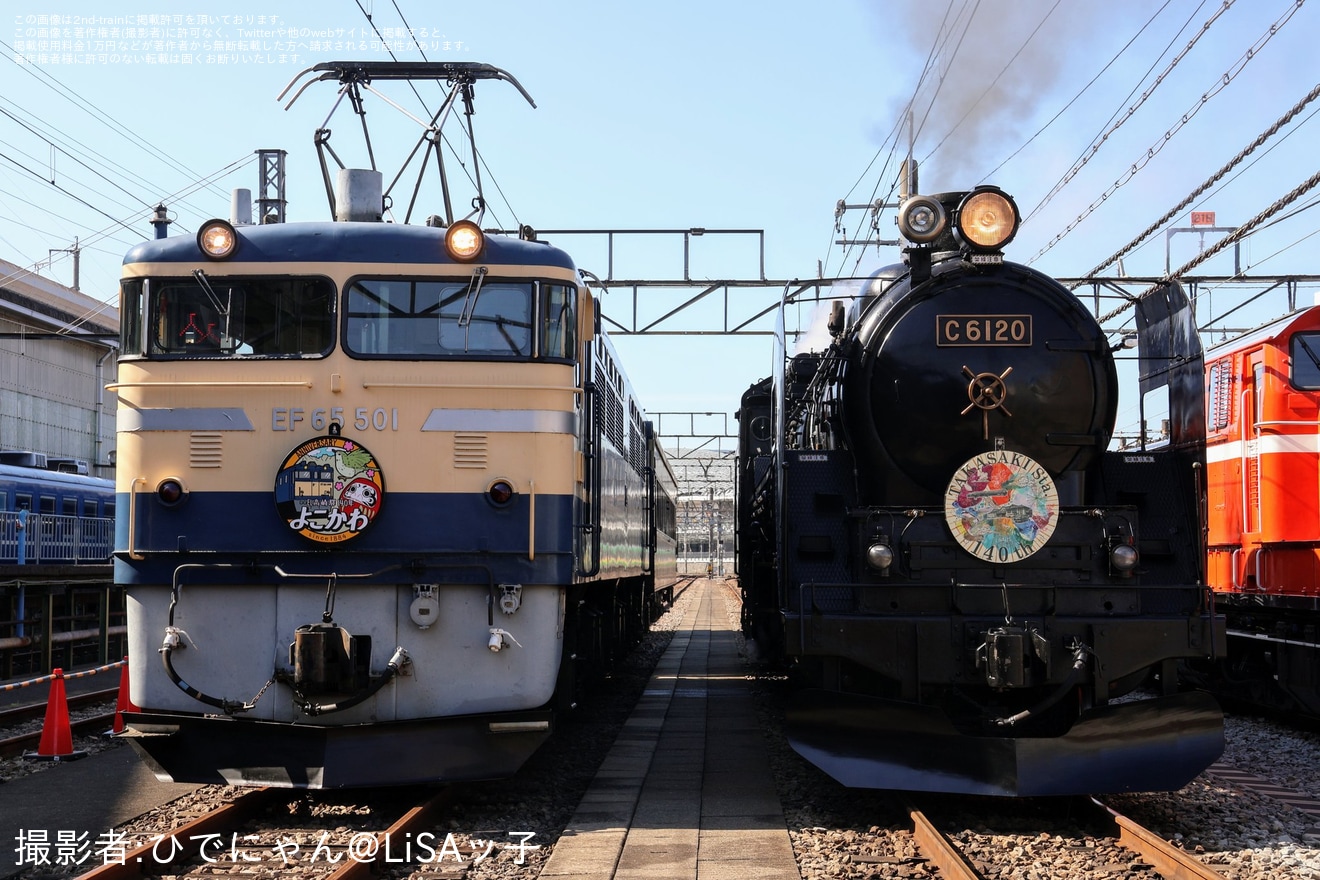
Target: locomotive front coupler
(1080, 652)
(1013, 655)
(310, 707)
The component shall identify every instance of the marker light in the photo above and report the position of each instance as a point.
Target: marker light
(921, 219)
(987, 219)
(880, 556)
(170, 491)
(1123, 557)
(500, 492)
(217, 239)
(464, 240)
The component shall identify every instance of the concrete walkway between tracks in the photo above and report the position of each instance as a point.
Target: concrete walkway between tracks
(686, 791)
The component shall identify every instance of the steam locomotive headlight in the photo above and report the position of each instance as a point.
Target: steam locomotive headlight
(464, 240)
(217, 239)
(921, 219)
(880, 556)
(171, 491)
(1123, 559)
(987, 219)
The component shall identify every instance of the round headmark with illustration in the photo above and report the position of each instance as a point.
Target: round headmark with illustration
(1001, 506)
(329, 489)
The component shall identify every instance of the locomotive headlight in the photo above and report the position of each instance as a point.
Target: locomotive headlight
(464, 240)
(1123, 559)
(921, 219)
(217, 239)
(987, 219)
(880, 556)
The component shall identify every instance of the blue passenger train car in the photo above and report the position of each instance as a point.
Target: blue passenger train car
(53, 510)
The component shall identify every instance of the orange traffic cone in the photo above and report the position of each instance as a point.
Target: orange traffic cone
(56, 734)
(124, 703)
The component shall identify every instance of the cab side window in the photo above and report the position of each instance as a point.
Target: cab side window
(559, 324)
(1305, 356)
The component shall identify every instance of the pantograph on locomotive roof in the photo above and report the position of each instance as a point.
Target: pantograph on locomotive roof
(355, 77)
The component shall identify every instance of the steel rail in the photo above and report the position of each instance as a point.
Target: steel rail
(1172, 863)
(942, 852)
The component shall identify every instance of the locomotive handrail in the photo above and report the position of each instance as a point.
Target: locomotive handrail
(1242, 409)
(531, 519)
(591, 478)
(1282, 423)
(779, 385)
(597, 465)
(1257, 557)
(132, 519)
(648, 555)
(307, 383)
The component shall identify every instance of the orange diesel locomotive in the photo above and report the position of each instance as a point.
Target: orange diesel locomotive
(1263, 461)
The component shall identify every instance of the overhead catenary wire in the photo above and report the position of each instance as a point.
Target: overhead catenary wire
(1210, 181)
(444, 138)
(79, 199)
(1141, 162)
(955, 13)
(890, 143)
(1075, 98)
(105, 118)
(107, 172)
(119, 224)
(956, 24)
(994, 82)
(1232, 238)
(1115, 125)
(952, 57)
(105, 168)
(57, 148)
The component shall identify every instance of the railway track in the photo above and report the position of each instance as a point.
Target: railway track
(260, 830)
(951, 852)
(14, 715)
(684, 810)
(17, 743)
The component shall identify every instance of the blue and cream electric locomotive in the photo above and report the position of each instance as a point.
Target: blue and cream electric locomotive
(385, 496)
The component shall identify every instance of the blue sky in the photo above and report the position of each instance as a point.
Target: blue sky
(725, 115)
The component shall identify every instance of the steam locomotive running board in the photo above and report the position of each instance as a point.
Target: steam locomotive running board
(865, 742)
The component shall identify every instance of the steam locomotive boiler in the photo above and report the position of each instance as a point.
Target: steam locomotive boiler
(934, 534)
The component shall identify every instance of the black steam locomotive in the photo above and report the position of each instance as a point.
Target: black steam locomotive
(980, 595)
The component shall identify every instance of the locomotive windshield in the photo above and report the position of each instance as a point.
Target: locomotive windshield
(1306, 360)
(216, 317)
(459, 319)
(234, 318)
